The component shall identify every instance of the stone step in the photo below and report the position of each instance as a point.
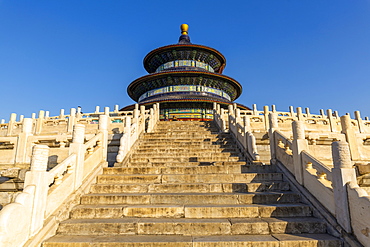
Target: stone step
(186, 188)
(187, 123)
(186, 159)
(198, 145)
(199, 131)
(181, 164)
(186, 150)
(174, 142)
(188, 178)
(185, 136)
(185, 155)
(180, 131)
(190, 198)
(89, 211)
(194, 169)
(275, 240)
(191, 227)
(192, 132)
(172, 170)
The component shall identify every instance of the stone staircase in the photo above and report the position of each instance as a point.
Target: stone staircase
(188, 185)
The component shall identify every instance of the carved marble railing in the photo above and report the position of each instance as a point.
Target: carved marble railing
(37, 210)
(315, 122)
(335, 188)
(245, 139)
(142, 121)
(17, 138)
(283, 151)
(45, 124)
(317, 175)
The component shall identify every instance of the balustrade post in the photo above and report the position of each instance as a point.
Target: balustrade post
(231, 116)
(38, 177)
(298, 145)
(142, 110)
(266, 117)
(40, 122)
(116, 108)
(322, 113)
(224, 119)
(136, 113)
(61, 114)
(106, 111)
(21, 151)
(142, 114)
(231, 110)
(12, 120)
(78, 113)
(342, 173)
(299, 114)
(158, 111)
(329, 112)
(127, 131)
(273, 120)
(273, 108)
(252, 146)
(155, 110)
(103, 128)
(247, 123)
(308, 114)
(78, 147)
(349, 132)
(152, 120)
(97, 109)
(71, 120)
(255, 112)
(291, 111)
(359, 122)
(237, 115)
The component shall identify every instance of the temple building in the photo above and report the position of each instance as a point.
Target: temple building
(186, 79)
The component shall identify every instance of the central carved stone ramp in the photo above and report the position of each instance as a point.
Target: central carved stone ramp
(188, 185)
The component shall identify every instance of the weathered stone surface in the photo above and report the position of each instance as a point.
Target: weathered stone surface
(221, 211)
(189, 227)
(320, 240)
(237, 241)
(295, 225)
(249, 226)
(97, 211)
(190, 187)
(154, 211)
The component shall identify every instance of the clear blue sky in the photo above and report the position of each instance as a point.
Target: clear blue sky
(62, 54)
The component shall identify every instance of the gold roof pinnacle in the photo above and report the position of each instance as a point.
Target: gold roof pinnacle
(184, 29)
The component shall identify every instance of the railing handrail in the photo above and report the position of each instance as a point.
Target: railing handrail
(61, 168)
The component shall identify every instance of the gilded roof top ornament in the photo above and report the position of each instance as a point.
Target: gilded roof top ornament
(184, 29)
(184, 38)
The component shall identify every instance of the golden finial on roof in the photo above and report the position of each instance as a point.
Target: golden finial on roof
(184, 29)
